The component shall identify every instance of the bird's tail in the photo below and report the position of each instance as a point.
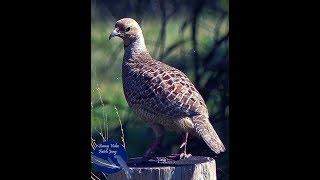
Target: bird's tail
(205, 130)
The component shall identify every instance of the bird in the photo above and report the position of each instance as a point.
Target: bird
(162, 95)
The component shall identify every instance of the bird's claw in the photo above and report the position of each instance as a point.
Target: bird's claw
(179, 156)
(185, 156)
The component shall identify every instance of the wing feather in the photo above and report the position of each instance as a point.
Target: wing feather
(164, 90)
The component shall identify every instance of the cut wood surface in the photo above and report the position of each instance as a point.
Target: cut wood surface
(161, 168)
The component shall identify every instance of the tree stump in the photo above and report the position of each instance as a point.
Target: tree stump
(161, 168)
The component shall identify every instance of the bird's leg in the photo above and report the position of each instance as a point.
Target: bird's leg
(183, 154)
(159, 133)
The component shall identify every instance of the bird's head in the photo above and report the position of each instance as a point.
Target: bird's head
(127, 29)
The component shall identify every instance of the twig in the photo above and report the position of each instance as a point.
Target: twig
(122, 136)
(104, 114)
(95, 176)
(104, 175)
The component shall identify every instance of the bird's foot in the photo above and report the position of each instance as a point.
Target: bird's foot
(185, 156)
(179, 156)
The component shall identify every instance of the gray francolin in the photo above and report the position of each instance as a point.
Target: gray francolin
(161, 95)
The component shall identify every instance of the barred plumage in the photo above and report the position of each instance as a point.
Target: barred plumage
(160, 94)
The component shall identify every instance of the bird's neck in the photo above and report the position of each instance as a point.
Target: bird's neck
(134, 49)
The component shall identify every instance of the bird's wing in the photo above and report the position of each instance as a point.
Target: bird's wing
(164, 90)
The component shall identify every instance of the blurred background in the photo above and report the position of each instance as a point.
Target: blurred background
(191, 35)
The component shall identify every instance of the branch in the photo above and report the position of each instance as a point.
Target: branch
(216, 45)
(173, 47)
(196, 11)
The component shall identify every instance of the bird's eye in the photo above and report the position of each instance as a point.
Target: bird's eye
(127, 29)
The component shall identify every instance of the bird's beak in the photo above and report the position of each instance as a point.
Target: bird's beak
(114, 33)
